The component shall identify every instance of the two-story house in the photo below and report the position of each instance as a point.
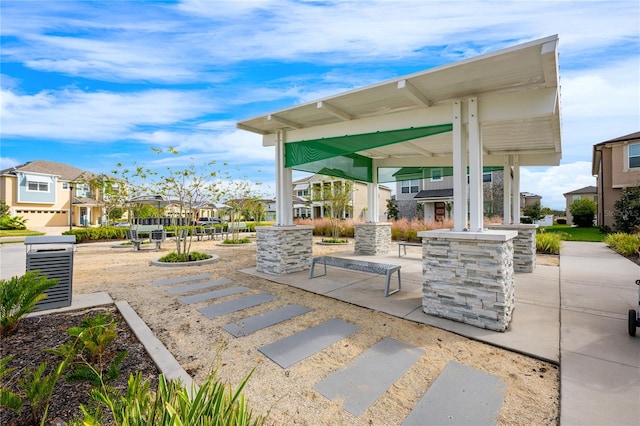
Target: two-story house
(589, 192)
(308, 201)
(429, 195)
(616, 164)
(43, 191)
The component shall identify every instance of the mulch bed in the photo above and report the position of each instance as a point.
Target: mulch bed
(49, 331)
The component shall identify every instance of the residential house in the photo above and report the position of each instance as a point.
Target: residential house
(41, 191)
(616, 164)
(308, 203)
(429, 195)
(589, 192)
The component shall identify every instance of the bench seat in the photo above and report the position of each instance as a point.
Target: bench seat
(404, 244)
(359, 265)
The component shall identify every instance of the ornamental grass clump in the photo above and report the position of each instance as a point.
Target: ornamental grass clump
(625, 244)
(18, 298)
(548, 242)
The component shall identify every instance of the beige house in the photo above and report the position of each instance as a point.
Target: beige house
(308, 205)
(41, 191)
(616, 164)
(589, 192)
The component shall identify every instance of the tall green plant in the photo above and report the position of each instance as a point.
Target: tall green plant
(8, 399)
(336, 197)
(18, 297)
(174, 404)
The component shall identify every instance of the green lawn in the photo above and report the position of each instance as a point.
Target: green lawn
(571, 233)
(18, 233)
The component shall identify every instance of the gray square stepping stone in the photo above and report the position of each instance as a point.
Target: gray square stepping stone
(258, 322)
(197, 286)
(286, 352)
(367, 377)
(234, 305)
(460, 395)
(182, 279)
(201, 297)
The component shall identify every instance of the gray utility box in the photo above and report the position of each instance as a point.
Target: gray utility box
(53, 257)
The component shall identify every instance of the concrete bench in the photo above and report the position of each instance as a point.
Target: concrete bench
(404, 244)
(359, 265)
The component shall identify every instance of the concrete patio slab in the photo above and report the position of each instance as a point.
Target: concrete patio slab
(362, 382)
(235, 305)
(289, 350)
(197, 286)
(215, 294)
(249, 325)
(460, 395)
(179, 280)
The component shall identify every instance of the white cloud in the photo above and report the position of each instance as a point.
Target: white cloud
(551, 183)
(74, 115)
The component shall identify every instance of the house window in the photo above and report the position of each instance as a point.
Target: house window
(37, 186)
(65, 185)
(436, 175)
(486, 177)
(634, 156)
(410, 186)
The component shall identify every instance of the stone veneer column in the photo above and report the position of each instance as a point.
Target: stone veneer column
(468, 276)
(283, 249)
(524, 245)
(372, 238)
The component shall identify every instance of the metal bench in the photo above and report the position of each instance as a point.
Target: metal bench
(404, 244)
(132, 236)
(158, 236)
(359, 265)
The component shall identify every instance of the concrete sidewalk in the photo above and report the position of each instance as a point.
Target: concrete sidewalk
(599, 361)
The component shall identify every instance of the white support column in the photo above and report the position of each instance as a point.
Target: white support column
(284, 197)
(459, 169)
(506, 181)
(476, 207)
(373, 213)
(515, 190)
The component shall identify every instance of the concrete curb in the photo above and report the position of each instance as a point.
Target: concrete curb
(158, 352)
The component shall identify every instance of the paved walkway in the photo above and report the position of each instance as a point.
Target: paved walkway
(600, 362)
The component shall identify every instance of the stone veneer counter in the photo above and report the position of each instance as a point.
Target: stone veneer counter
(468, 276)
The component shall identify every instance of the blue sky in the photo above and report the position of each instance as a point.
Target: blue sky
(93, 84)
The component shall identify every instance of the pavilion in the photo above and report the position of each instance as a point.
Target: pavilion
(497, 110)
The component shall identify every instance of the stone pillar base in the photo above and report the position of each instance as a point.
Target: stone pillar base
(281, 250)
(524, 245)
(468, 277)
(372, 238)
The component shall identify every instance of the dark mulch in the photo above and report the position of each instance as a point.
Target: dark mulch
(49, 331)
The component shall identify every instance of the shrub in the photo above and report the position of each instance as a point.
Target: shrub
(97, 234)
(627, 210)
(175, 257)
(12, 222)
(561, 221)
(625, 244)
(548, 242)
(583, 212)
(18, 297)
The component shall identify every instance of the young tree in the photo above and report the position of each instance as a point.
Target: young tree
(392, 209)
(533, 211)
(336, 198)
(190, 187)
(242, 194)
(583, 212)
(627, 210)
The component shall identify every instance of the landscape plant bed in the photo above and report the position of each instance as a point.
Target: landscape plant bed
(38, 333)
